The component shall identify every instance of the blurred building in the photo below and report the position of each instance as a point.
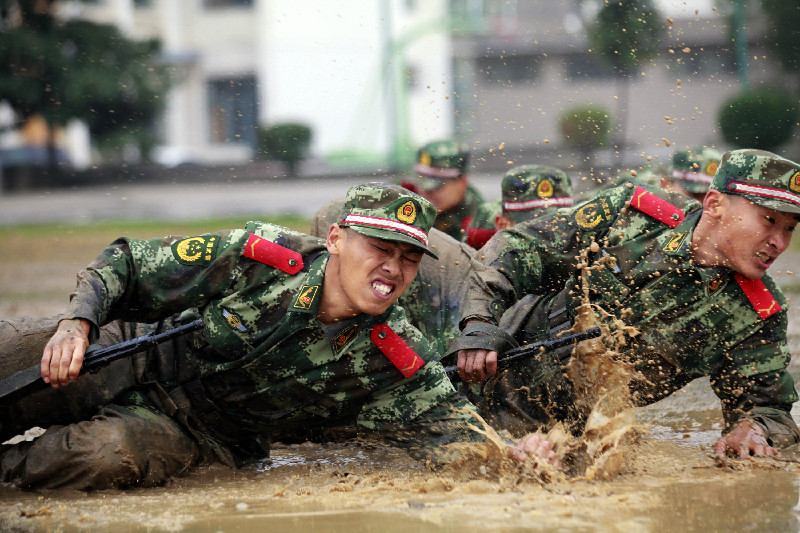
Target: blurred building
(376, 78)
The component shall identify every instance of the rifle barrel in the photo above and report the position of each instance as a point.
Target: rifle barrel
(534, 348)
(28, 381)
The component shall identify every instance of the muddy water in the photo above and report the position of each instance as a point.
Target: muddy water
(671, 483)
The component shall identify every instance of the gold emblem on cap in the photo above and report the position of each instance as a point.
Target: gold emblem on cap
(425, 159)
(544, 189)
(794, 182)
(711, 168)
(407, 212)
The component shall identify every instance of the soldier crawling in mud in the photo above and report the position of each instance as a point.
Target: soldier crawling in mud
(690, 278)
(299, 333)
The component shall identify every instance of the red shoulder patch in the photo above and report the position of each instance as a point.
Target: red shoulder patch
(760, 298)
(272, 254)
(477, 237)
(396, 350)
(658, 208)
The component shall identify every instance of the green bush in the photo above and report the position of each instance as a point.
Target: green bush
(287, 142)
(585, 128)
(762, 118)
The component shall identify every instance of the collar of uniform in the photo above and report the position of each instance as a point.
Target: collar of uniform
(677, 243)
(307, 298)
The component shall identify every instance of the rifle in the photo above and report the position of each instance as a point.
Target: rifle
(24, 382)
(515, 354)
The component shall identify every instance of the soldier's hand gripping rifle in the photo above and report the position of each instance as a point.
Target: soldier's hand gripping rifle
(534, 349)
(96, 357)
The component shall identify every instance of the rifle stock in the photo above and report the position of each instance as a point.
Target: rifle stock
(515, 354)
(28, 381)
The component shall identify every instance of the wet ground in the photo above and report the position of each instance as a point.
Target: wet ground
(670, 480)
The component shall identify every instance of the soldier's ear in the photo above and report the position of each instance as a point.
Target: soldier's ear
(336, 235)
(715, 203)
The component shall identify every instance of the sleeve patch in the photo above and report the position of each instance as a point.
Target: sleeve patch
(196, 250)
(658, 208)
(396, 350)
(760, 298)
(272, 254)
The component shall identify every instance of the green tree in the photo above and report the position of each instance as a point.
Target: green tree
(626, 34)
(586, 129)
(287, 142)
(763, 118)
(66, 69)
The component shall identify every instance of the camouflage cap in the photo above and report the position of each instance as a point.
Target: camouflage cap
(529, 187)
(694, 169)
(389, 212)
(440, 161)
(762, 177)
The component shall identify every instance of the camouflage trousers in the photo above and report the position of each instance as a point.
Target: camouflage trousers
(101, 432)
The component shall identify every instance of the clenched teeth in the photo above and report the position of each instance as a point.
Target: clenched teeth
(381, 287)
(762, 256)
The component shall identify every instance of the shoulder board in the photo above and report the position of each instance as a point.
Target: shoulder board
(274, 255)
(655, 206)
(477, 237)
(760, 298)
(396, 350)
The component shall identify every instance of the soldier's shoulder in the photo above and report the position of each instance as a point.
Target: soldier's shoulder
(283, 236)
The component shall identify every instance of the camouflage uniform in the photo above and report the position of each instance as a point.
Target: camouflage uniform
(263, 364)
(433, 300)
(527, 191)
(437, 163)
(694, 321)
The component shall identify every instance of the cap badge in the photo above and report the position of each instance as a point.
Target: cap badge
(425, 159)
(711, 168)
(544, 189)
(407, 212)
(794, 182)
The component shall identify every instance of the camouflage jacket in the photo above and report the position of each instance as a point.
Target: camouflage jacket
(263, 358)
(694, 321)
(454, 222)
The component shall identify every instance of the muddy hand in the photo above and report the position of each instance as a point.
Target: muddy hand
(475, 366)
(533, 446)
(63, 355)
(747, 438)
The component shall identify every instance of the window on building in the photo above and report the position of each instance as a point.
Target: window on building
(142, 3)
(587, 67)
(233, 110)
(227, 3)
(508, 69)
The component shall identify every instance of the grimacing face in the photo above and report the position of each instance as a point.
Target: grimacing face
(370, 273)
(752, 237)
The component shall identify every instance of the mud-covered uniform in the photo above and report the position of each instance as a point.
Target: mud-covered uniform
(693, 321)
(262, 365)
